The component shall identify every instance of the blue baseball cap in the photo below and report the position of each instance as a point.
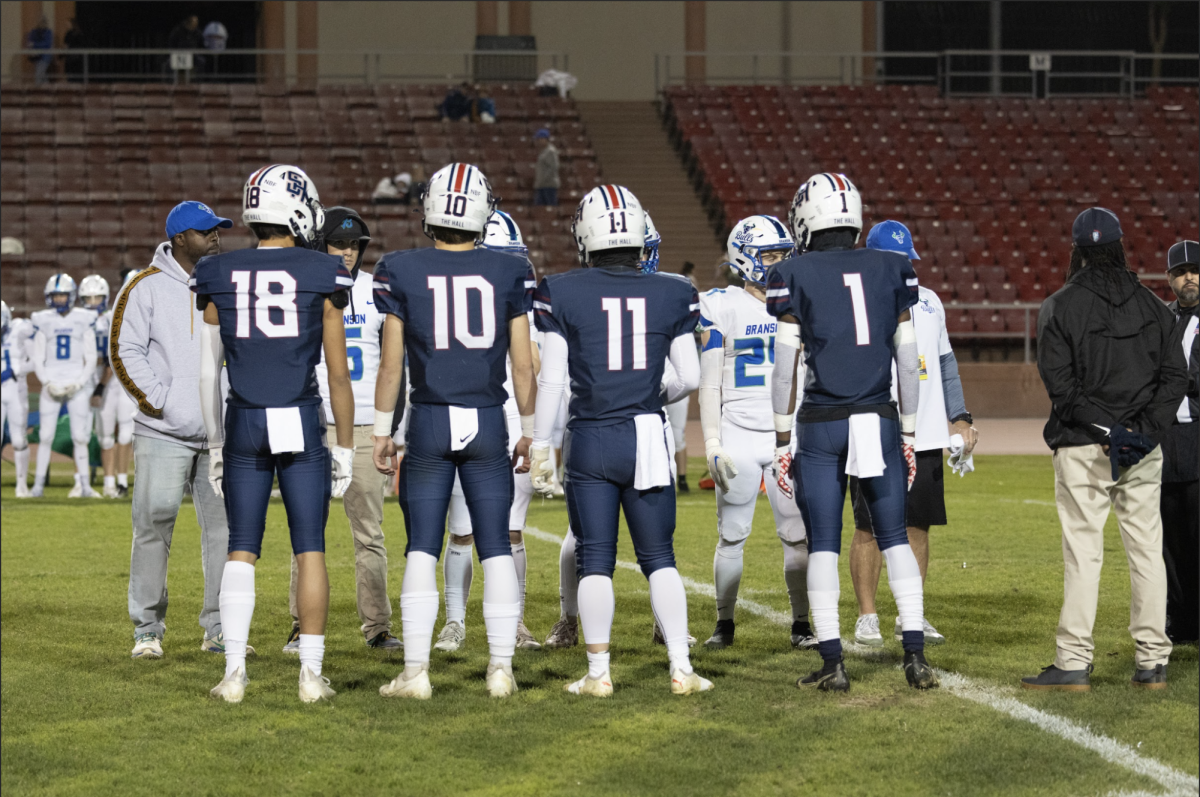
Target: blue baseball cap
(193, 216)
(542, 133)
(892, 236)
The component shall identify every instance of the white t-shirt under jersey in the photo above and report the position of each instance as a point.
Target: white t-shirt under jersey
(929, 318)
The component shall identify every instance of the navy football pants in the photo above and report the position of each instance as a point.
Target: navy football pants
(305, 480)
(427, 471)
(600, 462)
(820, 476)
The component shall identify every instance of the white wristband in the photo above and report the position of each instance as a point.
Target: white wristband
(784, 423)
(383, 423)
(527, 426)
(908, 424)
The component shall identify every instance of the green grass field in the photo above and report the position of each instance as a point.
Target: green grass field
(80, 717)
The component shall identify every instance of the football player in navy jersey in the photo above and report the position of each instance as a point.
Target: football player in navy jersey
(458, 312)
(848, 310)
(267, 314)
(610, 328)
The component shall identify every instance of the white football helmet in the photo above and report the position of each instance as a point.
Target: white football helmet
(59, 284)
(823, 202)
(94, 286)
(503, 235)
(458, 196)
(608, 217)
(5, 317)
(284, 195)
(649, 262)
(749, 239)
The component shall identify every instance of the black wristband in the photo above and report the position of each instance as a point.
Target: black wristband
(99, 391)
(963, 416)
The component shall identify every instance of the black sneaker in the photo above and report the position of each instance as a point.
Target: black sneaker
(122, 491)
(830, 678)
(681, 485)
(722, 637)
(802, 636)
(1151, 679)
(1054, 679)
(918, 673)
(384, 641)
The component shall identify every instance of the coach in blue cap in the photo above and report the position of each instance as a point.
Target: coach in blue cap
(1112, 362)
(155, 354)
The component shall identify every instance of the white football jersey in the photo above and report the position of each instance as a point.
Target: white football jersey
(66, 337)
(103, 329)
(364, 330)
(21, 337)
(10, 356)
(929, 318)
(748, 333)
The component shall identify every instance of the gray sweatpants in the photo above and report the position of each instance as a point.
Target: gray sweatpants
(162, 470)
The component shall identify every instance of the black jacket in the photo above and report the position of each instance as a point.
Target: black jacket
(1109, 353)
(1181, 443)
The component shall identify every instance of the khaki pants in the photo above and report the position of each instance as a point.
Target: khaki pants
(364, 508)
(1083, 490)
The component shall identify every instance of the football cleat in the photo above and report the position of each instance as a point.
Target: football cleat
(658, 639)
(802, 636)
(918, 673)
(681, 485)
(688, 683)
(110, 491)
(830, 678)
(417, 687)
(313, 687)
(122, 491)
(232, 687)
(216, 644)
(722, 637)
(564, 634)
(525, 640)
(500, 681)
(866, 631)
(81, 490)
(384, 641)
(452, 637)
(293, 641)
(932, 636)
(594, 687)
(147, 646)
(37, 491)
(23, 490)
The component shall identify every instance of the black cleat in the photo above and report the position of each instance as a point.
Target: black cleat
(722, 637)
(681, 485)
(802, 636)
(918, 672)
(122, 491)
(830, 678)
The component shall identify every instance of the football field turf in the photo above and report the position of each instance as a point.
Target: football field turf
(80, 717)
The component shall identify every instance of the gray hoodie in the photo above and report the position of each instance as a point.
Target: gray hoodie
(155, 351)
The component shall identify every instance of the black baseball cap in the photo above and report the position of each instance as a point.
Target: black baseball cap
(1183, 253)
(1096, 226)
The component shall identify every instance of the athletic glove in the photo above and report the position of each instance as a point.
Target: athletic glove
(343, 467)
(781, 468)
(720, 464)
(1126, 449)
(910, 458)
(541, 471)
(216, 470)
(59, 392)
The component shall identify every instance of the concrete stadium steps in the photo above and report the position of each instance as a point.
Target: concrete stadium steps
(633, 149)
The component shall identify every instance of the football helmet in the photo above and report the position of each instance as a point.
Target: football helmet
(608, 217)
(823, 202)
(503, 235)
(649, 262)
(5, 317)
(460, 197)
(94, 286)
(749, 239)
(57, 285)
(284, 195)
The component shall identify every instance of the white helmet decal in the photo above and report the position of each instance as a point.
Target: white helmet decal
(284, 195)
(823, 202)
(608, 217)
(749, 239)
(458, 196)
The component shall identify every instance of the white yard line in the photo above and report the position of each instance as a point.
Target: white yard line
(1177, 783)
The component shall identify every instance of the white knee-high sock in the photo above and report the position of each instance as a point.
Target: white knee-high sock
(823, 591)
(81, 461)
(904, 577)
(520, 563)
(668, 601)
(21, 460)
(458, 570)
(43, 461)
(568, 580)
(501, 607)
(795, 575)
(237, 610)
(418, 609)
(312, 652)
(727, 576)
(596, 607)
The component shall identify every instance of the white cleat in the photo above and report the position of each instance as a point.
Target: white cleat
(595, 687)
(525, 640)
(452, 637)
(417, 687)
(37, 491)
(232, 687)
(22, 490)
(500, 681)
(866, 631)
(689, 683)
(932, 635)
(111, 491)
(313, 687)
(81, 490)
(147, 646)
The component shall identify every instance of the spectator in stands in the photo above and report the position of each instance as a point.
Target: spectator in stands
(457, 103)
(215, 38)
(1181, 452)
(186, 36)
(74, 39)
(483, 108)
(393, 190)
(1111, 358)
(545, 176)
(40, 38)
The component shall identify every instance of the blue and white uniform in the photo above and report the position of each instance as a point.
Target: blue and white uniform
(64, 358)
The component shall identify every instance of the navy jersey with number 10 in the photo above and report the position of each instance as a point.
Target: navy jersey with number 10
(271, 305)
(848, 303)
(619, 324)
